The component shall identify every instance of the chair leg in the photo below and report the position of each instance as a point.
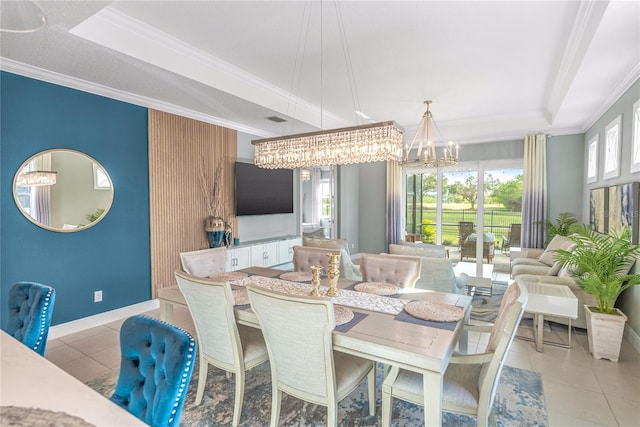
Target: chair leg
(492, 418)
(371, 383)
(276, 398)
(202, 379)
(387, 386)
(237, 407)
(332, 414)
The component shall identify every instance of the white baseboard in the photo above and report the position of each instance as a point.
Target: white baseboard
(632, 336)
(63, 329)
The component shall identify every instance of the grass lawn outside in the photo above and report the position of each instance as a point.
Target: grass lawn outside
(497, 220)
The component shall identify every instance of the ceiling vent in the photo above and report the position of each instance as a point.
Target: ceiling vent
(276, 119)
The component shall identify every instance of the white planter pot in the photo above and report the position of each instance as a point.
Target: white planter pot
(605, 333)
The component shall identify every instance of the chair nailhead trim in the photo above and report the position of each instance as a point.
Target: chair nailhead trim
(192, 343)
(43, 317)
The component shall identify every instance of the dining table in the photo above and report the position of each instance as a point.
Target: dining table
(35, 392)
(381, 330)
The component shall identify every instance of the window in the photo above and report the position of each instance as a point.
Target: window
(437, 201)
(100, 179)
(635, 154)
(592, 165)
(612, 149)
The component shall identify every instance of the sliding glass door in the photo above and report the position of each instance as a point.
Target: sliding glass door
(463, 204)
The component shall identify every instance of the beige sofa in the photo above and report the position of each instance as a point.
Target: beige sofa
(540, 266)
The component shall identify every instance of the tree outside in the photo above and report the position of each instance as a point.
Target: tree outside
(502, 207)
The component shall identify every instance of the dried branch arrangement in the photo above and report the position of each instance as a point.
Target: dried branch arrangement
(212, 189)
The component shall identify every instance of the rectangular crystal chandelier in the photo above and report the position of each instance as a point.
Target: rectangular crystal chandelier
(357, 144)
(36, 179)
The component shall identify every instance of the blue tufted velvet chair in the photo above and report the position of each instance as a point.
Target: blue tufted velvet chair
(30, 310)
(156, 366)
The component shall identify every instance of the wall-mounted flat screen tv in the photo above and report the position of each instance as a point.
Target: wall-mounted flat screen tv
(263, 191)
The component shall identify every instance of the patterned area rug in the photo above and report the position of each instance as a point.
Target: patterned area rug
(519, 401)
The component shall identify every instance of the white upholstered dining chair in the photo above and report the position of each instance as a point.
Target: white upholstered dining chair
(305, 256)
(205, 262)
(471, 380)
(397, 270)
(298, 332)
(221, 341)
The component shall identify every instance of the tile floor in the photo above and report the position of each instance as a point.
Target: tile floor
(579, 390)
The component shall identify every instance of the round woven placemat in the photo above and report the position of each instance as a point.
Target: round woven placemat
(343, 314)
(228, 275)
(439, 312)
(378, 288)
(240, 296)
(297, 276)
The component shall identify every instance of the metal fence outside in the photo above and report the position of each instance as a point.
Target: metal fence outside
(496, 221)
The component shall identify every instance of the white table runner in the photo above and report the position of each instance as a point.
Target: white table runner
(349, 298)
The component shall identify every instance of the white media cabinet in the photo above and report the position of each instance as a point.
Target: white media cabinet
(262, 253)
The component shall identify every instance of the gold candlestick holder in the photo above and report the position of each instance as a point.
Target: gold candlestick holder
(315, 280)
(334, 274)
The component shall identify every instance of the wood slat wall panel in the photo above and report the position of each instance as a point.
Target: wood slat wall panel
(178, 146)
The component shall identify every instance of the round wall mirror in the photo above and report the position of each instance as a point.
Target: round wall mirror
(63, 190)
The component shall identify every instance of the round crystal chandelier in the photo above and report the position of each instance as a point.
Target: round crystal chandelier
(425, 143)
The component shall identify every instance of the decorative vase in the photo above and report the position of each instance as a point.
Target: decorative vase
(605, 333)
(228, 234)
(214, 226)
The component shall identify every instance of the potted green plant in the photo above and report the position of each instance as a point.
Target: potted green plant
(601, 265)
(565, 224)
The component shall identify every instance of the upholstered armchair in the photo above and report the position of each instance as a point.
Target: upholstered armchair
(298, 332)
(399, 270)
(30, 311)
(155, 370)
(348, 269)
(223, 343)
(468, 249)
(205, 262)
(436, 274)
(470, 381)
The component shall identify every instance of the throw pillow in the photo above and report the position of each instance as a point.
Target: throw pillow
(488, 237)
(555, 269)
(558, 242)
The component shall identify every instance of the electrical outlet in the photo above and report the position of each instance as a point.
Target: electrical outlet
(97, 296)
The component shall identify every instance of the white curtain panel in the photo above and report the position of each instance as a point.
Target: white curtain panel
(534, 191)
(394, 203)
(42, 195)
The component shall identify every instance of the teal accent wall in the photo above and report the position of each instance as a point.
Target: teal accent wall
(114, 255)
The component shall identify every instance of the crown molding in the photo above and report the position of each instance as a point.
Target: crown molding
(48, 76)
(616, 93)
(587, 20)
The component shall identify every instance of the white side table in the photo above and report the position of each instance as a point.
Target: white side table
(550, 300)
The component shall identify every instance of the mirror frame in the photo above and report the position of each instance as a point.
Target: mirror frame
(54, 229)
